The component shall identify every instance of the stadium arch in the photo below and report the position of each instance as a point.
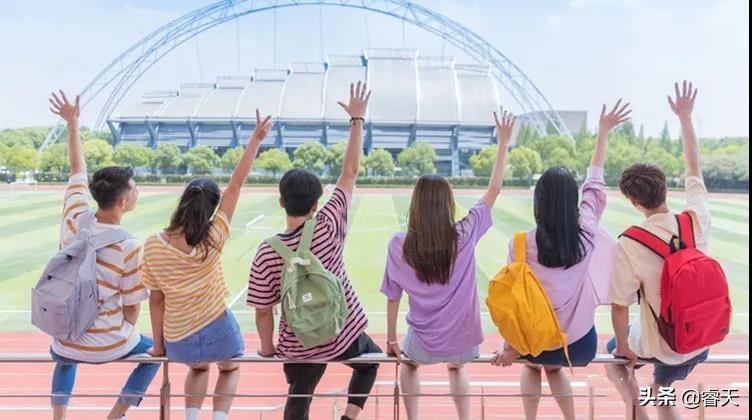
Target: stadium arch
(116, 79)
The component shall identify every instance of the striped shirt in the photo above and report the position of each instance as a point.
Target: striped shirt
(118, 278)
(194, 286)
(327, 245)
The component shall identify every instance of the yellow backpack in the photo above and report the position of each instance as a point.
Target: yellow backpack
(520, 308)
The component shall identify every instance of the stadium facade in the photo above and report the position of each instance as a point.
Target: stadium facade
(428, 99)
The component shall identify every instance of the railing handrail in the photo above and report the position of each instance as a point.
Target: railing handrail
(601, 358)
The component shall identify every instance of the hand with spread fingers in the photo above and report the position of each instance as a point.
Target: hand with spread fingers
(359, 96)
(684, 102)
(65, 109)
(504, 127)
(618, 114)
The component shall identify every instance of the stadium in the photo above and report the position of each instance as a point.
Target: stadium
(431, 99)
(444, 98)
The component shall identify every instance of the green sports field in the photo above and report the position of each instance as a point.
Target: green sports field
(29, 226)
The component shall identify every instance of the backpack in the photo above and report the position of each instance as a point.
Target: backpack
(695, 306)
(520, 308)
(65, 301)
(313, 300)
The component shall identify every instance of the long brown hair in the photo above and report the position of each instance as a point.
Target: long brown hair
(193, 217)
(431, 243)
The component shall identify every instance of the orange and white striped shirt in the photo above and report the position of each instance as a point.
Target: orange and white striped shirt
(118, 277)
(194, 286)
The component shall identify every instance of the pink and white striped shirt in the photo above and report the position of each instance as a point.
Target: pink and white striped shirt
(328, 245)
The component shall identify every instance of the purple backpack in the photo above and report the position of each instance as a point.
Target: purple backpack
(65, 301)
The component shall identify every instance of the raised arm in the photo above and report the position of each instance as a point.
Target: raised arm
(356, 109)
(682, 106)
(503, 134)
(243, 168)
(70, 112)
(619, 113)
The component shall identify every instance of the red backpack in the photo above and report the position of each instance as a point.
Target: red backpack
(695, 305)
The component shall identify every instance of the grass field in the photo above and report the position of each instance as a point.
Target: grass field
(29, 223)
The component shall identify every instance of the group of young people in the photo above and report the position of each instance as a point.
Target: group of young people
(179, 271)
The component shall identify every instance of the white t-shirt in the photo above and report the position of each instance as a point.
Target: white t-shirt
(636, 265)
(119, 280)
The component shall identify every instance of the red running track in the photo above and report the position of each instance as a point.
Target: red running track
(268, 379)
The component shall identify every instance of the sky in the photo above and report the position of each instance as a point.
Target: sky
(580, 53)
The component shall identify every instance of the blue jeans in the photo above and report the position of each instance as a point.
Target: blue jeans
(663, 374)
(219, 341)
(64, 377)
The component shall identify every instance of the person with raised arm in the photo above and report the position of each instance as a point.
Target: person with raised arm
(322, 232)
(183, 269)
(637, 269)
(434, 264)
(560, 251)
(113, 334)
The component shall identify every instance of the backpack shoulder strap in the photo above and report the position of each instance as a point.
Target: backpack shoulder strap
(279, 247)
(109, 237)
(648, 240)
(686, 229)
(307, 238)
(520, 247)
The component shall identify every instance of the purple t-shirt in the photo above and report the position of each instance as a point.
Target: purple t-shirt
(572, 290)
(444, 318)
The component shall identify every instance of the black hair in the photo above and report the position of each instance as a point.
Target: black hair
(193, 217)
(109, 184)
(300, 191)
(560, 239)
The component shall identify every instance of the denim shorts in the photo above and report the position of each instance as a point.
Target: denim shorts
(663, 374)
(217, 342)
(581, 352)
(415, 352)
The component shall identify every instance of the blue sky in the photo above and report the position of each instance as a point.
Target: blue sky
(580, 53)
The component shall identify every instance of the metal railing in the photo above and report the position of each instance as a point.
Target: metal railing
(394, 395)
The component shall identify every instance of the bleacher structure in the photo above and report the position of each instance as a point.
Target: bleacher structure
(416, 98)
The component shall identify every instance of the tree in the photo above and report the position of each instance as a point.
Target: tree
(231, 158)
(21, 159)
(559, 156)
(4, 150)
(669, 164)
(28, 136)
(545, 146)
(665, 138)
(311, 156)
(55, 160)
(380, 162)
(201, 160)
(621, 154)
(527, 135)
(417, 159)
(626, 129)
(524, 162)
(482, 162)
(335, 157)
(98, 154)
(274, 161)
(166, 158)
(132, 155)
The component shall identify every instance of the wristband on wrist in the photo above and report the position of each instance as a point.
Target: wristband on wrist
(361, 119)
(389, 343)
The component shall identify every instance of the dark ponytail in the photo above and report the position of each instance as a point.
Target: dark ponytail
(560, 239)
(193, 217)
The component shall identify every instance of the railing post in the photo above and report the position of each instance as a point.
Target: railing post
(396, 412)
(591, 402)
(378, 391)
(483, 403)
(701, 407)
(164, 393)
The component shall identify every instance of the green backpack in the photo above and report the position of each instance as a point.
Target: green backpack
(313, 300)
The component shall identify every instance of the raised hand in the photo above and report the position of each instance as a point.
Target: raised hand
(619, 113)
(504, 127)
(262, 128)
(62, 107)
(359, 95)
(684, 102)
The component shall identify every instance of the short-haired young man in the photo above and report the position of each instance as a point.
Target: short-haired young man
(638, 268)
(300, 191)
(113, 335)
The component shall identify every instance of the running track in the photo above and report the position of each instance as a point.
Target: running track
(106, 379)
